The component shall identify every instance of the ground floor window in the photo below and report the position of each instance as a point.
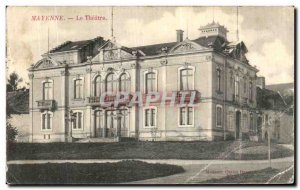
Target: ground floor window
(251, 123)
(47, 120)
(150, 117)
(245, 117)
(219, 116)
(230, 121)
(186, 116)
(77, 120)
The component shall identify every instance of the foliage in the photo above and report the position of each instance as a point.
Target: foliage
(13, 81)
(11, 133)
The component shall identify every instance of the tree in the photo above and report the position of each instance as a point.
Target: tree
(13, 81)
(11, 133)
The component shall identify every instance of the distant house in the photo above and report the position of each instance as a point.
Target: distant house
(274, 113)
(17, 107)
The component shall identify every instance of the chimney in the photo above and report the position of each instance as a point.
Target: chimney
(261, 82)
(179, 35)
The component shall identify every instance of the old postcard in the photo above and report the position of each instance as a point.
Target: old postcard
(150, 95)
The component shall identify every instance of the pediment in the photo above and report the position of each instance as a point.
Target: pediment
(46, 63)
(113, 51)
(186, 46)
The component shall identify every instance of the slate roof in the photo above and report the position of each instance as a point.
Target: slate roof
(17, 102)
(76, 45)
(215, 41)
(155, 48)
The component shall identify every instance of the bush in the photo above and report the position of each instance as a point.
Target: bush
(11, 133)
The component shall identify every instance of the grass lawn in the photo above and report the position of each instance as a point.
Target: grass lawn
(255, 177)
(139, 150)
(71, 173)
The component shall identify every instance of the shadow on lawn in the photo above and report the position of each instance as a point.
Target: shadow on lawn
(72, 173)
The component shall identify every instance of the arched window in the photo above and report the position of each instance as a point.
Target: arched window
(47, 90)
(150, 82)
(97, 86)
(124, 85)
(186, 79)
(111, 83)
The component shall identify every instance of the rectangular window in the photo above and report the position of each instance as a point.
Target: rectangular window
(237, 86)
(150, 82)
(218, 80)
(230, 121)
(250, 91)
(78, 90)
(182, 116)
(47, 91)
(46, 121)
(77, 120)
(190, 116)
(251, 123)
(150, 117)
(186, 116)
(245, 86)
(219, 116)
(245, 121)
(186, 79)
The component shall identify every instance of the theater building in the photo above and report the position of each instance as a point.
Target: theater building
(67, 82)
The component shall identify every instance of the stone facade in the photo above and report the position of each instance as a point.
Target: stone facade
(67, 82)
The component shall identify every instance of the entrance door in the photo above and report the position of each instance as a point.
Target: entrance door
(111, 124)
(237, 124)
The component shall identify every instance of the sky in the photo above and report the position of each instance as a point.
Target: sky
(268, 32)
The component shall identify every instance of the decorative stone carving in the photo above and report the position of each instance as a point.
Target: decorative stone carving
(88, 70)
(208, 57)
(63, 72)
(111, 54)
(164, 50)
(133, 65)
(184, 47)
(186, 65)
(46, 63)
(31, 75)
(164, 62)
(134, 53)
